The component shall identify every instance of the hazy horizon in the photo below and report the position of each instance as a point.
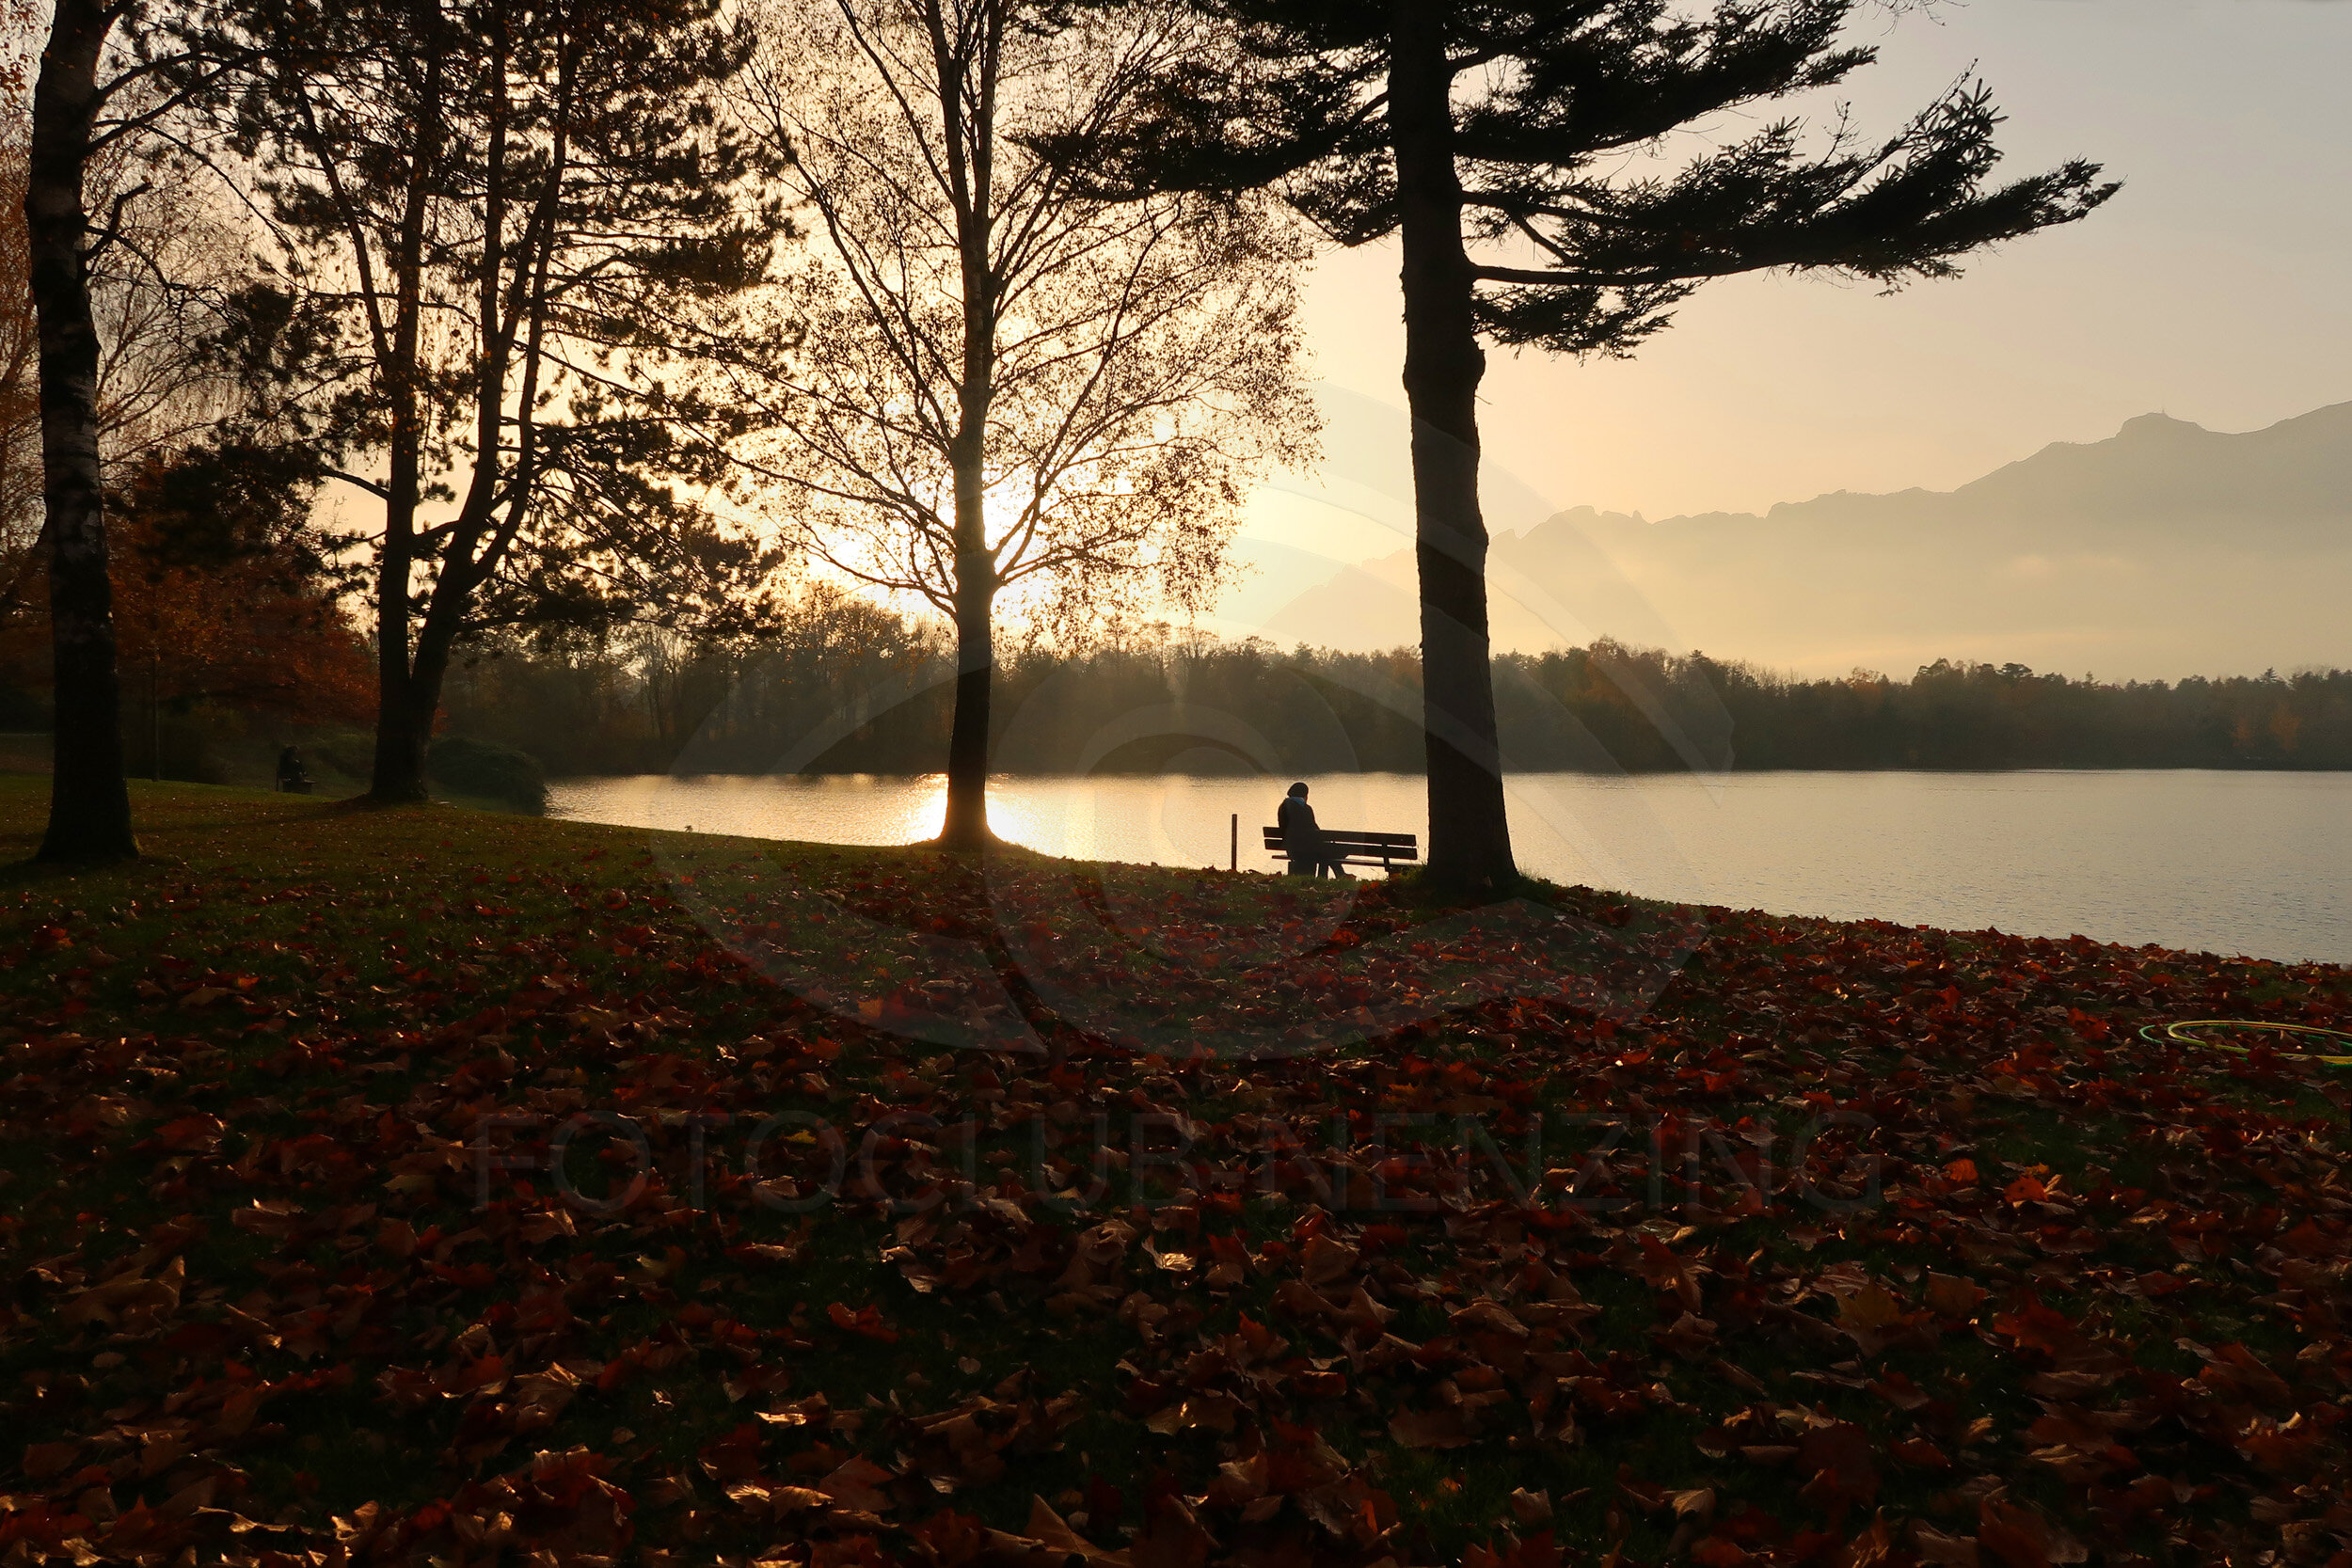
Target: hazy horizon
(2162, 551)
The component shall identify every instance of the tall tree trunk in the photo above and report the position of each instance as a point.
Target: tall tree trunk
(971, 163)
(90, 803)
(405, 707)
(401, 732)
(1470, 838)
(975, 666)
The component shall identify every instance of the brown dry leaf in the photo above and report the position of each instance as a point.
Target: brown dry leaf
(1213, 1410)
(1049, 1527)
(813, 1411)
(1487, 1316)
(1953, 1297)
(1872, 1309)
(44, 1460)
(1431, 1429)
(1326, 1260)
(1174, 1539)
(856, 1483)
(1938, 1550)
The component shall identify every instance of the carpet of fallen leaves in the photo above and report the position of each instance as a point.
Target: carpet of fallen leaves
(1859, 1245)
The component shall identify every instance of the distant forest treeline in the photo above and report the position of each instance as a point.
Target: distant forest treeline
(850, 688)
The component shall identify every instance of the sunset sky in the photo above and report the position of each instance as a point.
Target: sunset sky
(2212, 288)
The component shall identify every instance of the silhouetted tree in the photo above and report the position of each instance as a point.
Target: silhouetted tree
(494, 214)
(1503, 144)
(1008, 385)
(89, 804)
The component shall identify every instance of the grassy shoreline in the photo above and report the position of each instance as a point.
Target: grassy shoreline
(1962, 1271)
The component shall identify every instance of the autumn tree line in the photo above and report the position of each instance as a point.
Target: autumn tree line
(863, 694)
(367, 338)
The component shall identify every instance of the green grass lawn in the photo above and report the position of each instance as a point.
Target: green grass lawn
(435, 1186)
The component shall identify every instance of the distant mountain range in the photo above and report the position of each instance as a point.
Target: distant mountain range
(2165, 551)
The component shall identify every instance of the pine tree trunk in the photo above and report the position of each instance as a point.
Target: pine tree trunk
(404, 716)
(975, 669)
(405, 705)
(1470, 838)
(90, 802)
(401, 733)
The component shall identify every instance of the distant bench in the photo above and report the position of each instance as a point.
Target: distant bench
(1355, 849)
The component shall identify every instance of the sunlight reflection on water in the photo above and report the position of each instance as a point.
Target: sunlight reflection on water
(2226, 862)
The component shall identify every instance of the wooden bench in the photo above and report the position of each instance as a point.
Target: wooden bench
(1345, 846)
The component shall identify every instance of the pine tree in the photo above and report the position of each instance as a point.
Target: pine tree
(501, 220)
(1504, 145)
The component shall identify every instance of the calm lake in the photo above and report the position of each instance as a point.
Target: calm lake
(2231, 863)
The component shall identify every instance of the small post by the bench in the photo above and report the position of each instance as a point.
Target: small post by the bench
(1237, 845)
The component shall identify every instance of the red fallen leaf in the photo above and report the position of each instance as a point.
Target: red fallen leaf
(2038, 1327)
(734, 1456)
(1900, 1391)
(2021, 1537)
(1953, 1297)
(1661, 1269)
(2308, 1239)
(189, 1134)
(1840, 1451)
(953, 1540)
(866, 1320)
(1921, 1454)
(2233, 1369)
(1961, 1173)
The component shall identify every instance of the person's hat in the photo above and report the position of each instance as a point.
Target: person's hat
(1299, 788)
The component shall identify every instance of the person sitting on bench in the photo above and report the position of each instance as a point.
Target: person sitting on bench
(1302, 840)
(292, 776)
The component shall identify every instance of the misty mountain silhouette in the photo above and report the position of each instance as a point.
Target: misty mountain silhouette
(2165, 550)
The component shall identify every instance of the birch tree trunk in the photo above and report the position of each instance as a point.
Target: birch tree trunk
(90, 803)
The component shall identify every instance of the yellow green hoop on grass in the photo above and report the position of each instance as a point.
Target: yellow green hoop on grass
(2178, 1034)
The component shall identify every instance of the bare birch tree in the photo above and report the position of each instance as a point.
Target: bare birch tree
(1007, 395)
